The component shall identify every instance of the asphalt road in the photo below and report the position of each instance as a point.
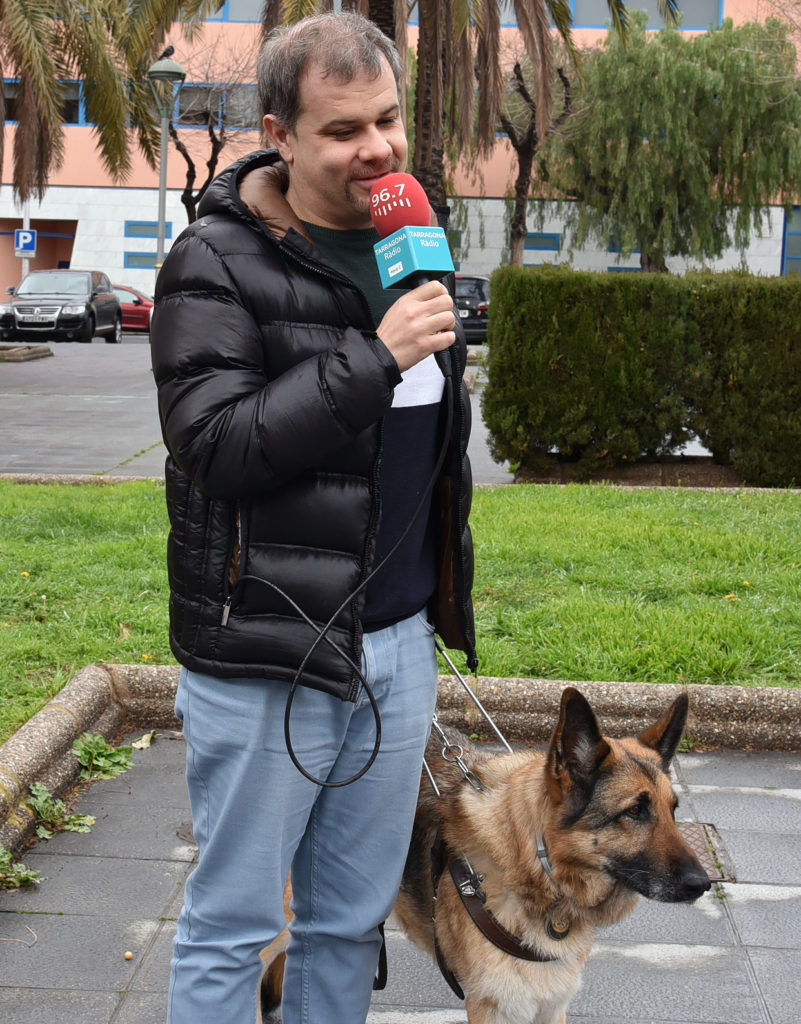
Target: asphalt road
(91, 409)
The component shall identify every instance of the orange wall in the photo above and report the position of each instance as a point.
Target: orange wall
(218, 48)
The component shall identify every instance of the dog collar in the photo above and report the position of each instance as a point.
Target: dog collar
(555, 929)
(542, 856)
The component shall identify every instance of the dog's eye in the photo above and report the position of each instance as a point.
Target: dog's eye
(636, 811)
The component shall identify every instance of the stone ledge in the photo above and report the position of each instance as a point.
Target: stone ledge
(105, 699)
(22, 353)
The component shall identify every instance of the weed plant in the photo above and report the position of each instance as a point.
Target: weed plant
(572, 583)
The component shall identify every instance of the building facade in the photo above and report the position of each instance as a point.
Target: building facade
(88, 221)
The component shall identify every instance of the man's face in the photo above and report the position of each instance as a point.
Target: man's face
(347, 135)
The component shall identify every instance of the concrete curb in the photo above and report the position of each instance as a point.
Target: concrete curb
(105, 699)
(100, 699)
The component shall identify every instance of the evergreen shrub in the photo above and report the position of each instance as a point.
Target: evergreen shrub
(608, 369)
(746, 405)
(590, 366)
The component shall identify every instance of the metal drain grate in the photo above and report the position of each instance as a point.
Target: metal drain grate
(707, 845)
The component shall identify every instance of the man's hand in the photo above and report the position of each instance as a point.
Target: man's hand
(421, 322)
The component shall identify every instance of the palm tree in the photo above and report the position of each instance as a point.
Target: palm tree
(107, 45)
(449, 33)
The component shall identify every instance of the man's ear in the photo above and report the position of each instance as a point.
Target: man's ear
(279, 136)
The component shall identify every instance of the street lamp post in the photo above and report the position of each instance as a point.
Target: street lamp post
(170, 72)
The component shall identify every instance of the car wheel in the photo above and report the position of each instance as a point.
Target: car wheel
(115, 337)
(88, 332)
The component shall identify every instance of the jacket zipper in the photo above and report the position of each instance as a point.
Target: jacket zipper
(229, 590)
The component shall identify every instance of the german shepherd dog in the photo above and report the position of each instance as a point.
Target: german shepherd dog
(540, 850)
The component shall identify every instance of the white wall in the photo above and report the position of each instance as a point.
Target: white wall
(101, 213)
(486, 237)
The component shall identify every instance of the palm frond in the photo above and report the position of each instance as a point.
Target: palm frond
(490, 75)
(29, 45)
(294, 10)
(534, 27)
(669, 9)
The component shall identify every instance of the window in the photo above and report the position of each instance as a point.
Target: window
(233, 106)
(542, 241)
(199, 105)
(146, 229)
(242, 107)
(140, 260)
(71, 101)
(791, 249)
(10, 90)
(698, 14)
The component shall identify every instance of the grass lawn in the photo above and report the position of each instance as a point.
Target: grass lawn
(572, 583)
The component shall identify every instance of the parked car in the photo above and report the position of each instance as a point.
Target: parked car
(61, 305)
(137, 308)
(472, 302)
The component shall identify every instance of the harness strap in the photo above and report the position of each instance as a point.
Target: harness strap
(471, 896)
(468, 886)
(437, 867)
(380, 979)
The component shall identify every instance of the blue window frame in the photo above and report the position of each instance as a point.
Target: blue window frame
(543, 241)
(140, 260)
(146, 229)
(791, 243)
(73, 110)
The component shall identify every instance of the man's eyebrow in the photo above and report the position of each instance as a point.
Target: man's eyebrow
(341, 122)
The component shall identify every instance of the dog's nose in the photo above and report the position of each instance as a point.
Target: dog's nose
(694, 883)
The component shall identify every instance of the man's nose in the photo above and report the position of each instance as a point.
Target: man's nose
(375, 146)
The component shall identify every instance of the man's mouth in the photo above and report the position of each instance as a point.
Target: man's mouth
(368, 181)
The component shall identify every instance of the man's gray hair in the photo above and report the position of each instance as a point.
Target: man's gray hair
(341, 45)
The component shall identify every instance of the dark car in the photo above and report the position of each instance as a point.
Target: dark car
(472, 302)
(137, 308)
(61, 305)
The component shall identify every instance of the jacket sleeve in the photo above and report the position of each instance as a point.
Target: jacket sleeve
(231, 426)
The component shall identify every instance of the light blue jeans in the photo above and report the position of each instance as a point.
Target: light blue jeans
(255, 816)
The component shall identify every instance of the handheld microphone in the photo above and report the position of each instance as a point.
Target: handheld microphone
(411, 251)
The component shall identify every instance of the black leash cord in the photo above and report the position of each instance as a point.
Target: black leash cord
(322, 633)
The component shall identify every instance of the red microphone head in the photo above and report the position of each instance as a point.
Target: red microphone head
(398, 201)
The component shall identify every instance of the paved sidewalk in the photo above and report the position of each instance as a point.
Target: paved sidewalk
(732, 958)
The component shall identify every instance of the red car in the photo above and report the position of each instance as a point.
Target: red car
(137, 308)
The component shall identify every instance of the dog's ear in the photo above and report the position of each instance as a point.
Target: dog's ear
(577, 748)
(664, 736)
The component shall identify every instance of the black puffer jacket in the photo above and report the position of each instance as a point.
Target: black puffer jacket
(272, 385)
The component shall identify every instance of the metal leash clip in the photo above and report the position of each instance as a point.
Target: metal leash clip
(453, 754)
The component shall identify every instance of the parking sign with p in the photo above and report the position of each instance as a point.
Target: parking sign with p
(25, 243)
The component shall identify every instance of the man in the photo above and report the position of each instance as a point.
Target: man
(311, 438)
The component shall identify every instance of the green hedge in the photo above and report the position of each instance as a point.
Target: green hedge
(607, 369)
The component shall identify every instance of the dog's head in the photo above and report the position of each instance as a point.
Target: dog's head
(615, 804)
